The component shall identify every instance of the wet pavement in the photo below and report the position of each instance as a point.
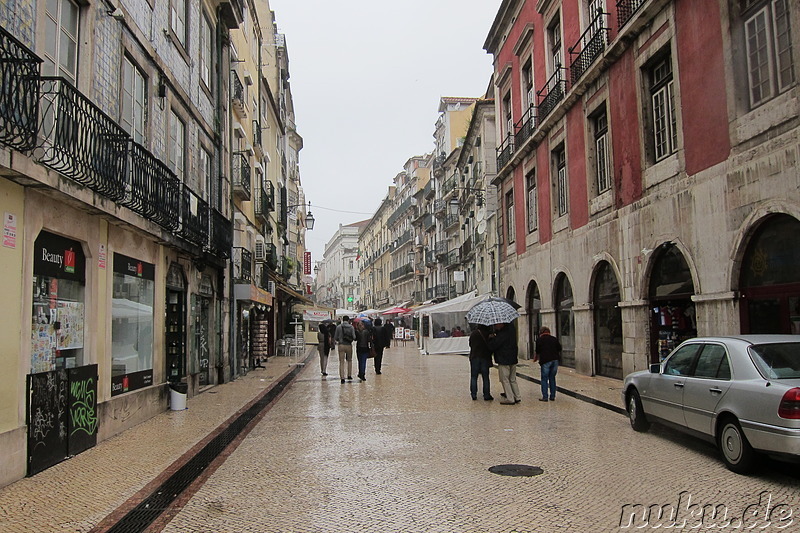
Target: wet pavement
(407, 450)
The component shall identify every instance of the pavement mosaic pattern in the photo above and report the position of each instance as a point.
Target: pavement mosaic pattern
(409, 450)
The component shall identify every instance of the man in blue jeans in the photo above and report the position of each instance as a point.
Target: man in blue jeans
(548, 353)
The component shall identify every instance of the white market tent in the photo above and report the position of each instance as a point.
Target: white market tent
(348, 312)
(448, 314)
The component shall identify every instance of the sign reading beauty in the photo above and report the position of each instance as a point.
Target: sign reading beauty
(58, 257)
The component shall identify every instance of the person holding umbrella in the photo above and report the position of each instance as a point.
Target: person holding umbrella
(499, 313)
(480, 359)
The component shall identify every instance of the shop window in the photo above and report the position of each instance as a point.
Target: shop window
(59, 279)
(533, 308)
(132, 324)
(565, 320)
(607, 323)
(672, 310)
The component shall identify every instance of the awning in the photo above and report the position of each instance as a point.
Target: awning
(286, 289)
(401, 304)
(458, 304)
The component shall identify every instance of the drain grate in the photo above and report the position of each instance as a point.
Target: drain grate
(144, 514)
(516, 470)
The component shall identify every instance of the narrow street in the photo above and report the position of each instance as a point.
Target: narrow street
(407, 451)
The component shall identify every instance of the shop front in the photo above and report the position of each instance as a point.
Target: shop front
(607, 323)
(533, 310)
(672, 312)
(565, 320)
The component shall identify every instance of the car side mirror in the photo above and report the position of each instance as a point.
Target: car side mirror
(655, 368)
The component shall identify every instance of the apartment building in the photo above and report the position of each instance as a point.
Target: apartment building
(648, 172)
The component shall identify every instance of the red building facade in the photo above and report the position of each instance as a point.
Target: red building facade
(647, 170)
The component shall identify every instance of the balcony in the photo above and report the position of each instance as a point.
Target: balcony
(257, 146)
(240, 175)
(442, 291)
(237, 95)
(450, 221)
(79, 141)
(626, 9)
(232, 13)
(194, 226)
(221, 235)
(448, 186)
(261, 204)
(428, 222)
(588, 48)
(552, 93)
(453, 258)
(404, 238)
(441, 249)
(242, 266)
(439, 207)
(430, 258)
(467, 249)
(399, 212)
(19, 93)
(152, 190)
(505, 151)
(401, 273)
(525, 126)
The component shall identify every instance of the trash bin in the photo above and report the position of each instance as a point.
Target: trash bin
(280, 349)
(177, 396)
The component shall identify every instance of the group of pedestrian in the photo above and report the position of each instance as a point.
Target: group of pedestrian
(500, 341)
(371, 339)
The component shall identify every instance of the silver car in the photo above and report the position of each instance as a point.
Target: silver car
(741, 392)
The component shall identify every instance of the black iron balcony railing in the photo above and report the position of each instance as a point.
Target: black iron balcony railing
(450, 221)
(221, 236)
(242, 265)
(400, 273)
(404, 238)
(453, 257)
(240, 175)
(525, 126)
(19, 93)
(79, 141)
(261, 204)
(441, 248)
(552, 93)
(439, 207)
(505, 151)
(237, 94)
(466, 249)
(270, 195)
(428, 222)
(626, 9)
(195, 217)
(272, 256)
(152, 190)
(256, 134)
(442, 291)
(430, 257)
(449, 185)
(588, 48)
(401, 210)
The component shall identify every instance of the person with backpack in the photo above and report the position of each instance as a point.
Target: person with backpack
(344, 337)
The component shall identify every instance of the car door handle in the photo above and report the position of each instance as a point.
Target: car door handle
(715, 390)
(678, 385)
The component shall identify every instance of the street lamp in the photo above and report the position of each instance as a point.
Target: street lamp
(309, 217)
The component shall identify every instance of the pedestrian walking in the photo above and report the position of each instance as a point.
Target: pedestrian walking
(480, 360)
(381, 340)
(503, 343)
(363, 346)
(548, 353)
(344, 337)
(324, 345)
(390, 328)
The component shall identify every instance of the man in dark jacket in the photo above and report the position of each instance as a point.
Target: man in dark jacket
(480, 359)
(548, 353)
(381, 341)
(503, 342)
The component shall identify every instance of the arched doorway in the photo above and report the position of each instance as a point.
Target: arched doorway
(565, 320)
(533, 306)
(672, 312)
(770, 278)
(607, 323)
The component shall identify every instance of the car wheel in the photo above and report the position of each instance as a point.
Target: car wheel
(737, 453)
(636, 414)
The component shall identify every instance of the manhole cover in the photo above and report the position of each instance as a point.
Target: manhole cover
(516, 470)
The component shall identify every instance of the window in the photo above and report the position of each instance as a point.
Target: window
(680, 364)
(510, 229)
(527, 84)
(205, 174)
(177, 140)
(713, 363)
(533, 215)
(507, 113)
(665, 131)
(206, 51)
(61, 39)
(600, 124)
(177, 20)
(768, 40)
(560, 171)
(554, 34)
(134, 101)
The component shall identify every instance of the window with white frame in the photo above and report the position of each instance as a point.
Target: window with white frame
(527, 84)
(560, 171)
(177, 145)
(206, 50)
(205, 177)
(509, 121)
(600, 127)
(533, 214)
(554, 36)
(662, 101)
(768, 42)
(510, 223)
(133, 115)
(61, 24)
(178, 20)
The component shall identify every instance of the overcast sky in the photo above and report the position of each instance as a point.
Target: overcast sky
(366, 80)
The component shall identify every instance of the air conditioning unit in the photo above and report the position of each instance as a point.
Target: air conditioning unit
(261, 250)
(248, 78)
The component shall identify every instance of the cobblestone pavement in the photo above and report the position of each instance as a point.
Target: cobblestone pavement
(410, 451)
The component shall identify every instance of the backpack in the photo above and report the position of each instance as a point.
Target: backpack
(348, 333)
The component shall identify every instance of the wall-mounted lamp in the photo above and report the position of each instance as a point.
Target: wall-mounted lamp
(309, 217)
(116, 14)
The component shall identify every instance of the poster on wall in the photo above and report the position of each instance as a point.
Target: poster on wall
(70, 321)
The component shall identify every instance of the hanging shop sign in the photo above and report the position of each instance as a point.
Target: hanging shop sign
(58, 257)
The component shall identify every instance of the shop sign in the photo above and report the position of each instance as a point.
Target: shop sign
(134, 267)
(307, 263)
(130, 382)
(10, 230)
(101, 257)
(315, 315)
(58, 257)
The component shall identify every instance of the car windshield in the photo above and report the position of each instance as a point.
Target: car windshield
(778, 361)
